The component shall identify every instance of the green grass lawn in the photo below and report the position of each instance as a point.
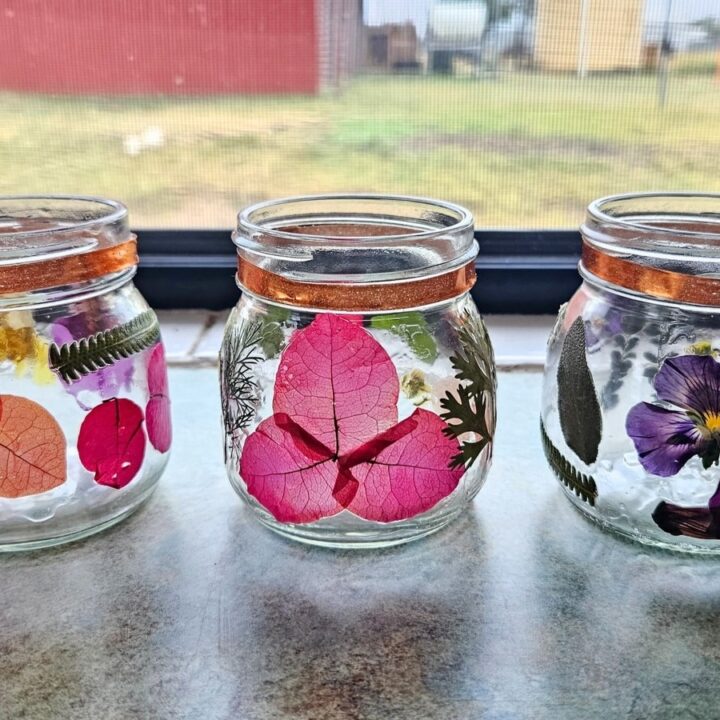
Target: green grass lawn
(521, 151)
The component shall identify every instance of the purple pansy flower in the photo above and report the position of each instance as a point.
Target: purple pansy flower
(665, 439)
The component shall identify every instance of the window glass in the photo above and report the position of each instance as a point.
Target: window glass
(522, 110)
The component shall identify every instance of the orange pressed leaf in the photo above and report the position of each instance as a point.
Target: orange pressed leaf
(32, 448)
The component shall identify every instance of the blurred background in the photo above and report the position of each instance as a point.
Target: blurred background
(522, 110)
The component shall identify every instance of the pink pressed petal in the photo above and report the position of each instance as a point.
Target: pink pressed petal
(157, 412)
(338, 383)
(288, 473)
(409, 476)
(159, 423)
(157, 371)
(111, 443)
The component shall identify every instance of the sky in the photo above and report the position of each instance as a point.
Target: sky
(378, 12)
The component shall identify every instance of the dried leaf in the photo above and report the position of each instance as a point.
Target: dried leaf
(413, 329)
(578, 406)
(582, 485)
(157, 412)
(470, 407)
(73, 360)
(111, 443)
(238, 388)
(107, 382)
(33, 455)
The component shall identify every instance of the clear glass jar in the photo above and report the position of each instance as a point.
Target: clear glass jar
(357, 378)
(631, 404)
(84, 409)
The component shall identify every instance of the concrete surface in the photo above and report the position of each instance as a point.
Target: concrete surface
(521, 610)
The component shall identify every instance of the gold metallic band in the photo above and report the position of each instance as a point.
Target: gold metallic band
(663, 284)
(351, 297)
(55, 272)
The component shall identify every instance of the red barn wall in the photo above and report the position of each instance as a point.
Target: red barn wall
(159, 46)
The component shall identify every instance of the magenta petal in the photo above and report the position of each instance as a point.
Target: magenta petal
(372, 448)
(338, 383)
(111, 443)
(409, 476)
(292, 478)
(157, 371)
(159, 424)
(157, 412)
(690, 381)
(664, 439)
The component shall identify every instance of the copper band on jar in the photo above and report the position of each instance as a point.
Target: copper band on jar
(55, 272)
(355, 297)
(663, 284)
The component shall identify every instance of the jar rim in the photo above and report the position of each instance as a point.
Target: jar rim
(662, 221)
(660, 244)
(246, 223)
(61, 231)
(349, 251)
(53, 241)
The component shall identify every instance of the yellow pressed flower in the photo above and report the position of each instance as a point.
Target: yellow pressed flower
(20, 345)
(415, 387)
(703, 347)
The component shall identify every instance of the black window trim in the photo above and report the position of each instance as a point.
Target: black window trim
(519, 271)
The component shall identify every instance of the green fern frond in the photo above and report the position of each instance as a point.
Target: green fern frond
(582, 485)
(238, 384)
(72, 361)
(468, 406)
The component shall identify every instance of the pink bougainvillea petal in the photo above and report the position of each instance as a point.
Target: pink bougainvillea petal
(410, 476)
(157, 371)
(289, 473)
(159, 424)
(338, 383)
(111, 443)
(157, 412)
(334, 441)
(372, 448)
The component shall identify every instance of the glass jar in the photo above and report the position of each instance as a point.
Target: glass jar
(84, 409)
(357, 378)
(631, 404)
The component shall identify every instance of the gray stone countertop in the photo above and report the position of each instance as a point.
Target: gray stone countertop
(522, 609)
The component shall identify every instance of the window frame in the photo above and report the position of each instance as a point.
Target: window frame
(528, 272)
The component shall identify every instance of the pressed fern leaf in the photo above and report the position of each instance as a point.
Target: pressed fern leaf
(582, 485)
(469, 406)
(74, 360)
(238, 385)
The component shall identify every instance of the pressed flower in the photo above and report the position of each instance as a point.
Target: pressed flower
(666, 438)
(703, 347)
(334, 441)
(415, 387)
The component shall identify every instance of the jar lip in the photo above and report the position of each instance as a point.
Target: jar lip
(671, 225)
(246, 223)
(66, 225)
(597, 212)
(56, 242)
